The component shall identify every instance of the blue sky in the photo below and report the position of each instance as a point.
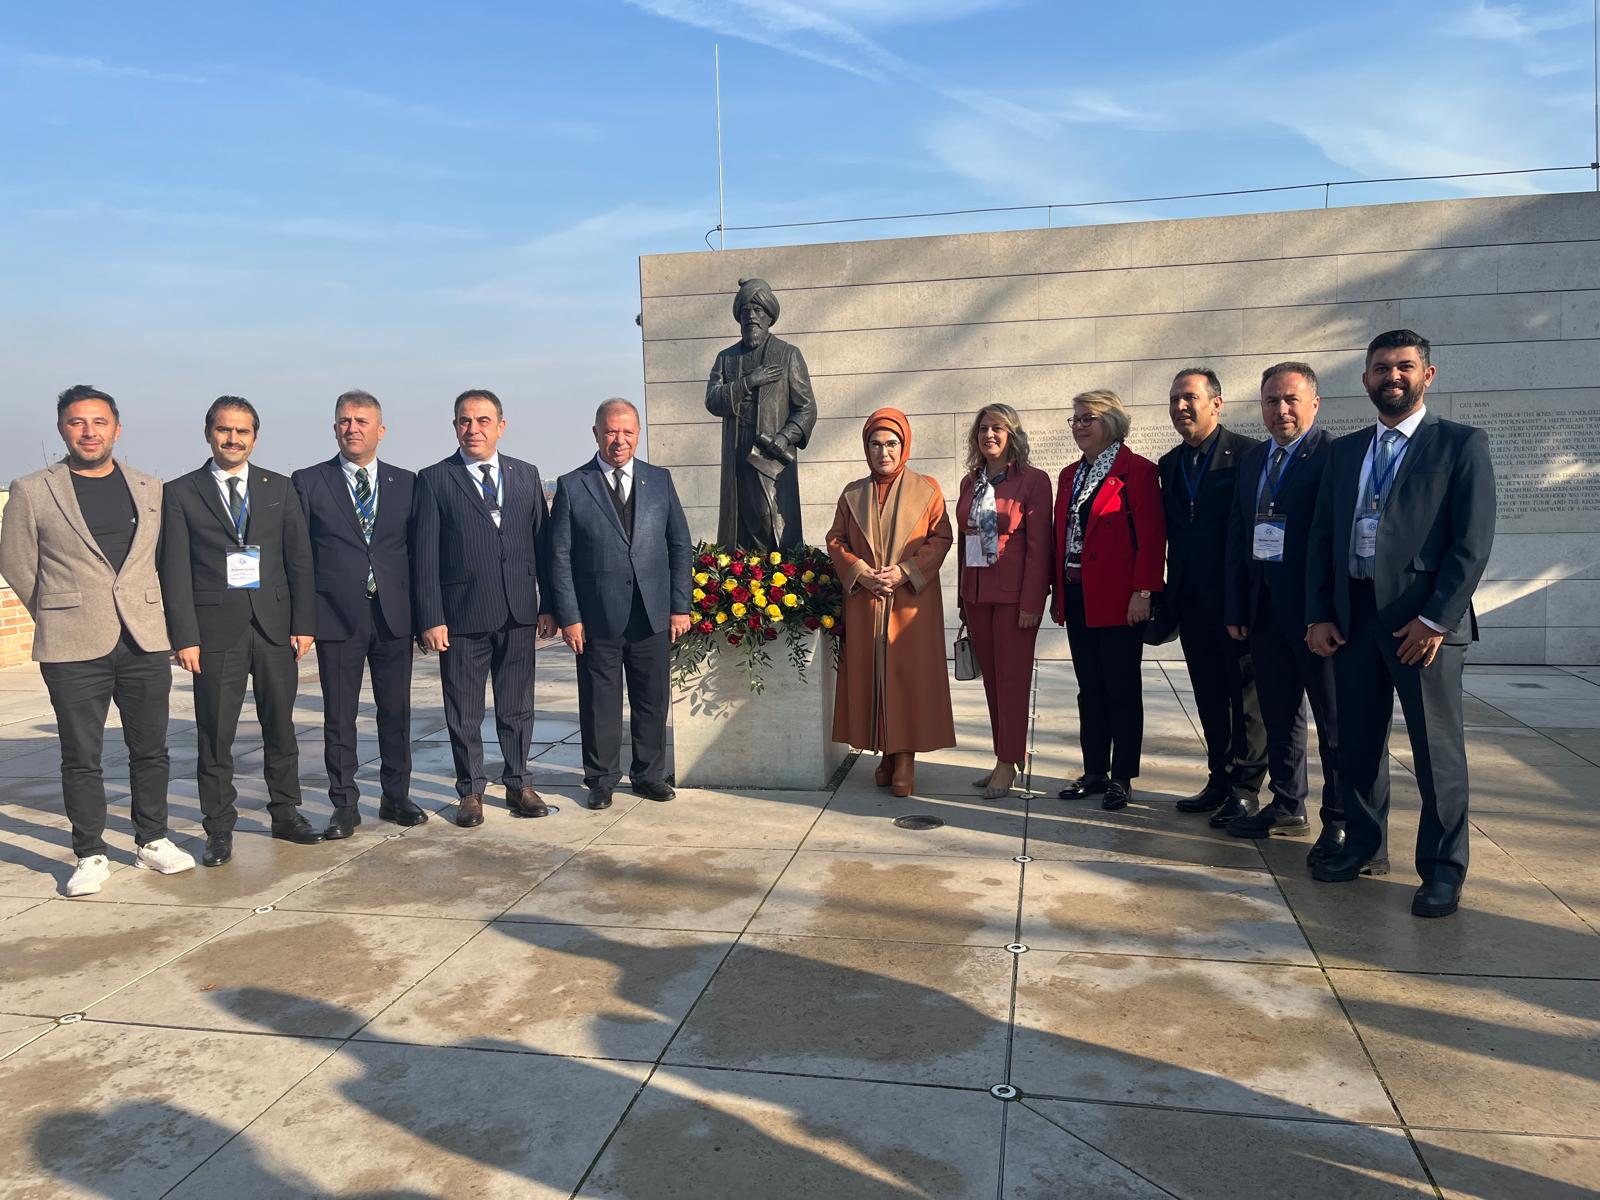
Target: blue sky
(283, 201)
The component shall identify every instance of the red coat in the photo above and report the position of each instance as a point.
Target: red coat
(1124, 544)
(1021, 574)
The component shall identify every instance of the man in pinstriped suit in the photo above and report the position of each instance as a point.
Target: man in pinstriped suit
(477, 564)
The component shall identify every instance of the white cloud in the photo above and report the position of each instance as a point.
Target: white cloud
(383, 104)
(84, 65)
(1512, 23)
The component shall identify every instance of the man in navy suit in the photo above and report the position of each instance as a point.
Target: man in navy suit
(1264, 604)
(237, 579)
(1402, 532)
(476, 559)
(358, 512)
(619, 589)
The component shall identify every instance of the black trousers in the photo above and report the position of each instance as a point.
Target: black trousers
(642, 658)
(372, 645)
(1110, 691)
(1368, 674)
(1224, 698)
(218, 700)
(1288, 675)
(81, 694)
(506, 656)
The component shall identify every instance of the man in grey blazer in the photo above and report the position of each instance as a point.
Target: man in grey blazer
(1401, 535)
(78, 543)
(619, 584)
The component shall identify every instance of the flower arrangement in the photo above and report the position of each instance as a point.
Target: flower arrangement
(744, 601)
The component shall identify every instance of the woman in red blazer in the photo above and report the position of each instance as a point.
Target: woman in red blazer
(1110, 545)
(1004, 547)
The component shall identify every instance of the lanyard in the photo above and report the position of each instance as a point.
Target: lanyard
(1381, 482)
(356, 499)
(243, 522)
(1193, 485)
(1290, 453)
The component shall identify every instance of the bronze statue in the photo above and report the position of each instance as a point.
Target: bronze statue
(762, 391)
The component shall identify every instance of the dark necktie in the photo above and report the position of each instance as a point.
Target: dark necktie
(235, 503)
(1275, 468)
(616, 486)
(490, 496)
(368, 515)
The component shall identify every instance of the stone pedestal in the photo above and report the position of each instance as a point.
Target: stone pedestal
(725, 735)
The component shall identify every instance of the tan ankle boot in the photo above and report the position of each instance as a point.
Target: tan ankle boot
(904, 778)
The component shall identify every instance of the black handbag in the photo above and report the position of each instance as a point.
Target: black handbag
(1162, 624)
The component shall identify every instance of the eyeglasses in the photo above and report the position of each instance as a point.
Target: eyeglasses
(1085, 421)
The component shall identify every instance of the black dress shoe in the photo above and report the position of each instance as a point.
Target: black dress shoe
(1345, 866)
(599, 798)
(1213, 795)
(654, 789)
(1271, 821)
(219, 849)
(1435, 900)
(1118, 793)
(342, 824)
(406, 816)
(296, 829)
(1329, 842)
(1082, 786)
(1229, 811)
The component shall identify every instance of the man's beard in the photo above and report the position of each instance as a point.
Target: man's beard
(1410, 397)
(77, 460)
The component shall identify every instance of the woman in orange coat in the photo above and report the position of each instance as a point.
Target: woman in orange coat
(890, 535)
(1005, 553)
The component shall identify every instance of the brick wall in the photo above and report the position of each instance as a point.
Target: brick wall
(16, 627)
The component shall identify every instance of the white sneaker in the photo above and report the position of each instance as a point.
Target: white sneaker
(91, 873)
(161, 855)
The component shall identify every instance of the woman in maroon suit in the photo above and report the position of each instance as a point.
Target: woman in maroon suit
(1004, 546)
(1110, 546)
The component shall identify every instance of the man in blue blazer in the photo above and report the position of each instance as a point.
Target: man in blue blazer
(358, 512)
(619, 588)
(1402, 532)
(1264, 603)
(477, 558)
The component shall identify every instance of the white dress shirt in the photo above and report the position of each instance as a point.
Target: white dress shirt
(349, 468)
(627, 476)
(475, 473)
(221, 476)
(1407, 430)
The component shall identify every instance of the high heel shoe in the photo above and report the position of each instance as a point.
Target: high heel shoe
(904, 779)
(996, 789)
(885, 770)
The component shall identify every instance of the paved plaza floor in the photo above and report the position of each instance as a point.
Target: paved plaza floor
(782, 994)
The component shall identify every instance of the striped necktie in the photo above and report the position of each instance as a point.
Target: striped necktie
(367, 511)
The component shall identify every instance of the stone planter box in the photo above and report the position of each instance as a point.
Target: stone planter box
(725, 735)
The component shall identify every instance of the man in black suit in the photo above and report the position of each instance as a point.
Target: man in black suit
(476, 559)
(1265, 603)
(237, 579)
(1402, 532)
(619, 589)
(1197, 479)
(358, 512)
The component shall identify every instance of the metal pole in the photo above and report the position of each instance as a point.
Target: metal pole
(716, 67)
(1596, 95)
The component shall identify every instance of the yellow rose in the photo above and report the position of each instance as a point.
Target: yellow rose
(827, 622)
(808, 577)
(779, 579)
(760, 598)
(790, 600)
(822, 579)
(729, 584)
(701, 578)
(721, 617)
(723, 560)
(774, 558)
(774, 612)
(739, 610)
(699, 595)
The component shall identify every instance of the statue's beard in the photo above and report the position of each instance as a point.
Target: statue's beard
(754, 335)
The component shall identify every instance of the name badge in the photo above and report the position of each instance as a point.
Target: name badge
(975, 556)
(1268, 544)
(1367, 536)
(244, 567)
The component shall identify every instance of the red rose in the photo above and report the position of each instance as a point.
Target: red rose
(813, 623)
(705, 627)
(771, 633)
(791, 570)
(709, 604)
(736, 569)
(753, 622)
(741, 594)
(756, 572)
(776, 593)
(708, 560)
(812, 589)
(734, 639)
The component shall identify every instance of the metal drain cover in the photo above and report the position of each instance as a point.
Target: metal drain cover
(918, 821)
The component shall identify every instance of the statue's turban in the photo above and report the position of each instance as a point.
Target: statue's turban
(759, 291)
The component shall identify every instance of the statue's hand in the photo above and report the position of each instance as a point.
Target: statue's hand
(763, 376)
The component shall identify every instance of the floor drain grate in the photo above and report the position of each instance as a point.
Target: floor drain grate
(918, 821)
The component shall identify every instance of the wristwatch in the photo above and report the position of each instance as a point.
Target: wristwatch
(1143, 594)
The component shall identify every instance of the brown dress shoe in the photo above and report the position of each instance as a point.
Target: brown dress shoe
(905, 774)
(469, 810)
(885, 769)
(526, 803)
